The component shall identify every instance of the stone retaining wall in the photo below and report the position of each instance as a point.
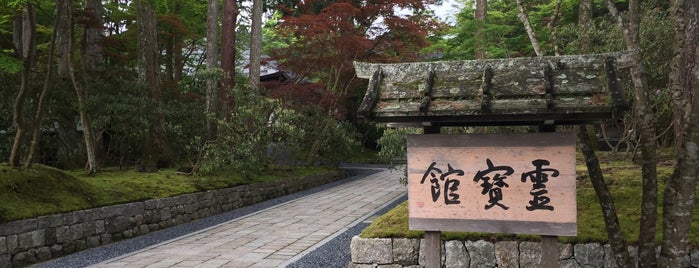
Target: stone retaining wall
(28, 241)
(404, 252)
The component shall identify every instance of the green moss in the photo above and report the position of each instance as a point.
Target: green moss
(42, 190)
(624, 181)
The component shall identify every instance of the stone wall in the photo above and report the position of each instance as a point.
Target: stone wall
(28, 241)
(404, 252)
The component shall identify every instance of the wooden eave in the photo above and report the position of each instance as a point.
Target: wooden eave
(576, 89)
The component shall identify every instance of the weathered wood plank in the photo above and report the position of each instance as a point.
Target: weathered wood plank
(450, 178)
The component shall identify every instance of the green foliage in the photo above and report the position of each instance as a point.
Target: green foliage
(393, 143)
(258, 126)
(242, 140)
(10, 64)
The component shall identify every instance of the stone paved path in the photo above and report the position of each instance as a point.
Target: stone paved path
(276, 236)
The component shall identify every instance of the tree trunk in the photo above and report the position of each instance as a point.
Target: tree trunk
(614, 234)
(611, 221)
(553, 23)
(149, 75)
(230, 14)
(212, 63)
(65, 36)
(481, 15)
(645, 122)
(255, 44)
(522, 15)
(36, 135)
(680, 192)
(25, 46)
(92, 58)
(584, 20)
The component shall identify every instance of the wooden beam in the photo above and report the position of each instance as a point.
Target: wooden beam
(486, 88)
(429, 82)
(370, 98)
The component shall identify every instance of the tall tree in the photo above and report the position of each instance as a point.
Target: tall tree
(40, 106)
(212, 63)
(229, 17)
(255, 44)
(25, 49)
(149, 75)
(524, 17)
(614, 235)
(646, 127)
(481, 15)
(680, 192)
(323, 39)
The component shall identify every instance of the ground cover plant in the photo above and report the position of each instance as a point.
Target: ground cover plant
(42, 190)
(622, 176)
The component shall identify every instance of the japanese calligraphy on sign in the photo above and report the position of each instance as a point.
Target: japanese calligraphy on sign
(500, 183)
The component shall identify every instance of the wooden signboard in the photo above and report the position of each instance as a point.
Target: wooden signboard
(498, 183)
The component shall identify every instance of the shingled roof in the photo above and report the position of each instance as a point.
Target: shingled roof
(575, 89)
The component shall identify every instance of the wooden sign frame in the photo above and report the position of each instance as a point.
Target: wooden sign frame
(497, 183)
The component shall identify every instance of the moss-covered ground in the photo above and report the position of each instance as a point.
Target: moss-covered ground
(623, 178)
(42, 190)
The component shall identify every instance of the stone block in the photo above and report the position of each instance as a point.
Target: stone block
(456, 255)
(42, 222)
(43, 253)
(76, 217)
(57, 250)
(12, 243)
(62, 234)
(3, 245)
(694, 258)
(117, 224)
(482, 253)
(25, 241)
(93, 241)
(106, 238)
(609, 258)
(507, 254)
(88, 228)
(5, 260)
(406, 251)
(56, 220)
(23, 259)
(99, 227)
(377, 251)
(38, 238)
(76, 231)
(17, 227)
(565, 251)
(530, 254)
(50, 236)
(569, 263)
(589, 255)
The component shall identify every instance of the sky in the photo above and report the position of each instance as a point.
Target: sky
(447, 10)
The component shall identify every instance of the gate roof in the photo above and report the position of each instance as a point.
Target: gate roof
(576, 89)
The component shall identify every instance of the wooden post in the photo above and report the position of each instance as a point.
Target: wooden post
(549, 244)
(549, 251)
(433, 249)
(433, 239)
